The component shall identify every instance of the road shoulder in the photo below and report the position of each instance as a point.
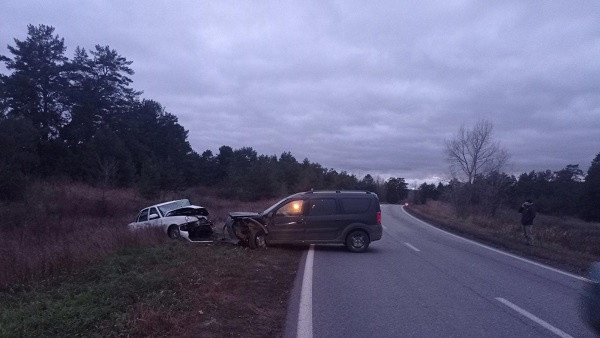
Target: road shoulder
(575, 263)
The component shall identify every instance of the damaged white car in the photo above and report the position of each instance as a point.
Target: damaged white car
(178, 219)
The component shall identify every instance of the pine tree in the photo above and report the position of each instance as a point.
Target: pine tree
(36, 88)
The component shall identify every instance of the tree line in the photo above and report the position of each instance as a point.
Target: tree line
(79, 118)
(479, 184)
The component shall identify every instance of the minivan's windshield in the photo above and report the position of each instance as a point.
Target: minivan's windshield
(271, 208)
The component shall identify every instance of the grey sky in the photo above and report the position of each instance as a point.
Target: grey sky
(358, 86)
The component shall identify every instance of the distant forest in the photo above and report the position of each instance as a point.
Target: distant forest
(566, 192)
(79, 118)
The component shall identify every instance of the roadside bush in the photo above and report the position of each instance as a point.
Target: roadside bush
(62, 226)
(12, 184)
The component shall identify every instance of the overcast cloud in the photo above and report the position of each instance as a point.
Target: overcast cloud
(366, 87)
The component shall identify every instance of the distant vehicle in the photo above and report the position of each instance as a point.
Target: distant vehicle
(351, 218)
(178, 219)
(591, 299)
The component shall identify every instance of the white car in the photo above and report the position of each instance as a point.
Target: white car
(179, 219)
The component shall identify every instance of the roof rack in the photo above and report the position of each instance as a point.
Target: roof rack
(338, 192)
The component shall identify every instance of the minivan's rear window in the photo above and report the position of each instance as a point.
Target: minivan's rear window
(321, 207)
(355, 205)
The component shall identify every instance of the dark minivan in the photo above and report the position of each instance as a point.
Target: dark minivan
(352, 218)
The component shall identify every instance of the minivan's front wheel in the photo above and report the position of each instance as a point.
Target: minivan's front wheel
(357, 241)
(258, 239)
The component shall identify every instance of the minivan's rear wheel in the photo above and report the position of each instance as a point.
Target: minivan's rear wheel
(357, 241)
(173, 232)
(258, 239)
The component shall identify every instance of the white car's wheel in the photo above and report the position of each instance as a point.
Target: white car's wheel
(173, 232)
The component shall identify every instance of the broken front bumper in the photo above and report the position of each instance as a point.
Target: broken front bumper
(200, 230)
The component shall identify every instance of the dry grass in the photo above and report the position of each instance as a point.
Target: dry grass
(63, 226)
(235, 292)
(174, 289)
(566, 242)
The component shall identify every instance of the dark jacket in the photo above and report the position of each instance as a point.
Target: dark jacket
(527, 213)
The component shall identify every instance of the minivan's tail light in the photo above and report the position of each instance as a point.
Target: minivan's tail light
(379, 217)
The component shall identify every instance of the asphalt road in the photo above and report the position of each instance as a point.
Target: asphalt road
(419, 281)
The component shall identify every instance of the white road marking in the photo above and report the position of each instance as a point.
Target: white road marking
(539, 321)
(411, 246)
(305, 327)
(502, 252)
(383, 225)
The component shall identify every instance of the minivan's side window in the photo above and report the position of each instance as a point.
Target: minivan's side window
(292, 208)
(355, 205)
(321, 207)
(143, 216)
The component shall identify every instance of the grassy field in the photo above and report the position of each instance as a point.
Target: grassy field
(173, 289)
(564, 242)
(69, 266)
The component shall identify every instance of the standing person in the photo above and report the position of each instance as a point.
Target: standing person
(527, 215)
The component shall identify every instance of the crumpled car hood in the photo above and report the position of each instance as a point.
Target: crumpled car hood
(192, 210)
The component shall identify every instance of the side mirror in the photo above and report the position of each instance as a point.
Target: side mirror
(153, 216)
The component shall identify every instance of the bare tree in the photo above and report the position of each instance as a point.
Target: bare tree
(107, 169)
(473, 152)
